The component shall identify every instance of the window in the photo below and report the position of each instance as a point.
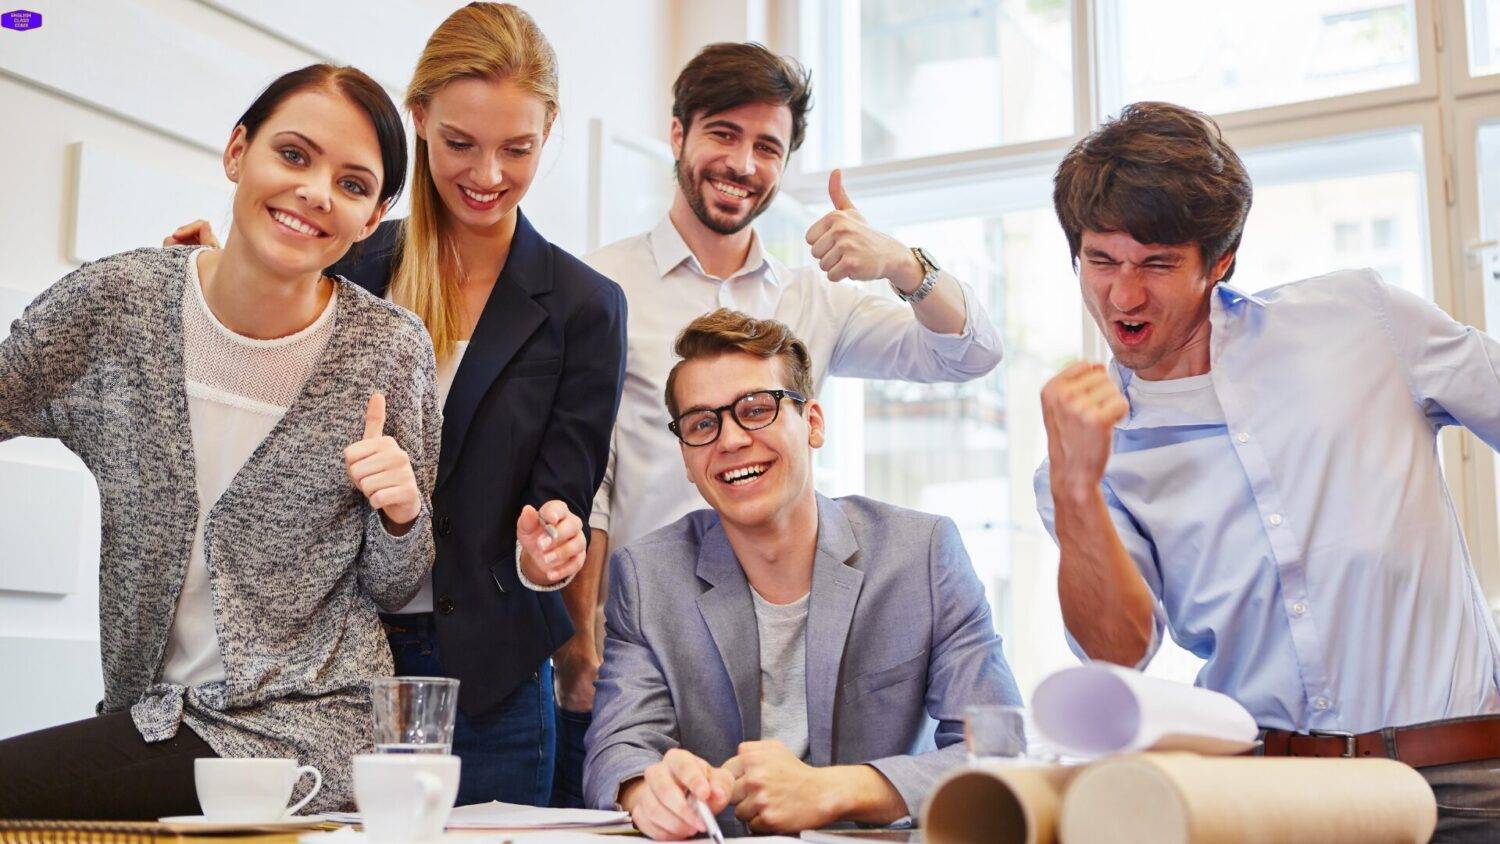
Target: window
(1337, 203)
(1220, 57)
(1335, 107)
(884, 94)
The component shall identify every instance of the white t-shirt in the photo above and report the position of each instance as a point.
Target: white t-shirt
(783, 671)
(446, 370)
(238, 388)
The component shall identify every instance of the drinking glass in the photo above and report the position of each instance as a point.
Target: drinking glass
(413, 714)
(995, 733)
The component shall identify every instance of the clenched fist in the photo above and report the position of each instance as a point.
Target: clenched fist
(1080, 407)
(848, 247)
(382, 471)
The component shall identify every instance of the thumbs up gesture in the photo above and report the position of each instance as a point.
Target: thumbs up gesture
(848, 247)
(382, 470)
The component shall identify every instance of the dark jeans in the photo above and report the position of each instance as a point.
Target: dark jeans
(567, 780)
(508, 754)
(99, 769)
(1468, 798)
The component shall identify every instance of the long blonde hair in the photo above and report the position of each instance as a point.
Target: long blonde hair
(495, 41)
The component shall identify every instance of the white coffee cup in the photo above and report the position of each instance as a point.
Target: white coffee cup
(405, 798)
(250, 790)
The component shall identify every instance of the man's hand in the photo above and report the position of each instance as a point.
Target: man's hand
(775, 792)
(661, 800)
(382, 471)
(847, 247)
(546, 560)
(196, 233)
(576, 664)
(1080, 407)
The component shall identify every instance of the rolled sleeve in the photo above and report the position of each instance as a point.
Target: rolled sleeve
(1140, 549)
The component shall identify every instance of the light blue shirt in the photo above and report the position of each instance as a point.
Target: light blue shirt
(1289, 513)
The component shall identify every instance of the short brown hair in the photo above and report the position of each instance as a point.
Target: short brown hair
(1160, 173)
(731, 74)
(724, 331)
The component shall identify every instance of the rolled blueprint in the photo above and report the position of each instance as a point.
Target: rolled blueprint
(1177, 798)
(1097, 709)
(997, 804)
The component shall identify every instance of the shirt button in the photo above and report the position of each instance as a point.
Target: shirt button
(1244, 438)
(1274, 519)
(1321, 704)
(1299, 608)
(445, 605)
(445, 525)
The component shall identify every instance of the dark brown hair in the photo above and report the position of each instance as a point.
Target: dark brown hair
(354, 85)
(725, 331)
(730, 74)
(1160, 173)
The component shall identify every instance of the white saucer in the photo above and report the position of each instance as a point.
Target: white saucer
(195, 824)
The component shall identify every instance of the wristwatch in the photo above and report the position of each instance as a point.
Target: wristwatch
(929, 278)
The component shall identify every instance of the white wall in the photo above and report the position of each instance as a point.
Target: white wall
(145, 92)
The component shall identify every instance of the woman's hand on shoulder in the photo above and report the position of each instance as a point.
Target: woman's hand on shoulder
(196, 233)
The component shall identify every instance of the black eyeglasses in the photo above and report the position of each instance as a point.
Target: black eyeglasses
(752, 411)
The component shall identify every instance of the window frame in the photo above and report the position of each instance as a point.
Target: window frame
(1445, 102)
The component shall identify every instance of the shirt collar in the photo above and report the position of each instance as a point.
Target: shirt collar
(670, 250)
(1231, 295)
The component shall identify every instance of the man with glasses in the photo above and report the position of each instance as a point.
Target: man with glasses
(739, 112)
(779, 655)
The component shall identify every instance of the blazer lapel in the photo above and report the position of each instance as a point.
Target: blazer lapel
(729, 612)
(835, 592)
(510, 316)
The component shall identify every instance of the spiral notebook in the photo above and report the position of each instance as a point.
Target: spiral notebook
(104, 832)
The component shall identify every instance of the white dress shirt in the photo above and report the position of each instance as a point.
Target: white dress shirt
(848, 331)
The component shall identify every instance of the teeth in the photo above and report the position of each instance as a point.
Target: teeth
(293, 223)
(722, 187)
(742, 474)
(479, 197)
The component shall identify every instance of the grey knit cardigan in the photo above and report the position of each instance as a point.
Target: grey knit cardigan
(297, 560)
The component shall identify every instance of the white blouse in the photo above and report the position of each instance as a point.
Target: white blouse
(238, 388)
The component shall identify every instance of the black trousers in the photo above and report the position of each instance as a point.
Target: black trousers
(99, 769)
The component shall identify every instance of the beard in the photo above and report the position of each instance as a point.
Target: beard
(692, 186)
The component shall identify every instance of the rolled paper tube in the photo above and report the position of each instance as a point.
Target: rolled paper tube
(1177, 798)
(997, 804)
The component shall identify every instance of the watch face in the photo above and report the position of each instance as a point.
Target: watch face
(927, 259)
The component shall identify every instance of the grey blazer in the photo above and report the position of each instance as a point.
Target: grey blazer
(297, 560)
(898, 634)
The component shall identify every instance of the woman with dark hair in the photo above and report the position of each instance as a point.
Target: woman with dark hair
(265, 440)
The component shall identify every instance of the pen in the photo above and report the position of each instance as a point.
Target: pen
(714, 833)
(547, 526)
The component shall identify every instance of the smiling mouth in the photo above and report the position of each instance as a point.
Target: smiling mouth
(296, 224)
(729, 190)
(479, 197)
(744, 474)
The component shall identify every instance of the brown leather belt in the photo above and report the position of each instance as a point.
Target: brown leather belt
(1418, 745)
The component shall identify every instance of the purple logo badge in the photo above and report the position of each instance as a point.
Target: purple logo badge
(21, 20)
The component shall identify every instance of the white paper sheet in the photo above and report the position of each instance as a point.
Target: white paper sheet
(1098, 709)
(512, 816)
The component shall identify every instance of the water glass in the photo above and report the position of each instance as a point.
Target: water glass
(995, 733)
(414, 714)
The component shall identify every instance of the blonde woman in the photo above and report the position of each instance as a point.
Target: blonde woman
(530, 348)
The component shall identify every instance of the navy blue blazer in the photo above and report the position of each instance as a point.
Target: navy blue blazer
(528, 419)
